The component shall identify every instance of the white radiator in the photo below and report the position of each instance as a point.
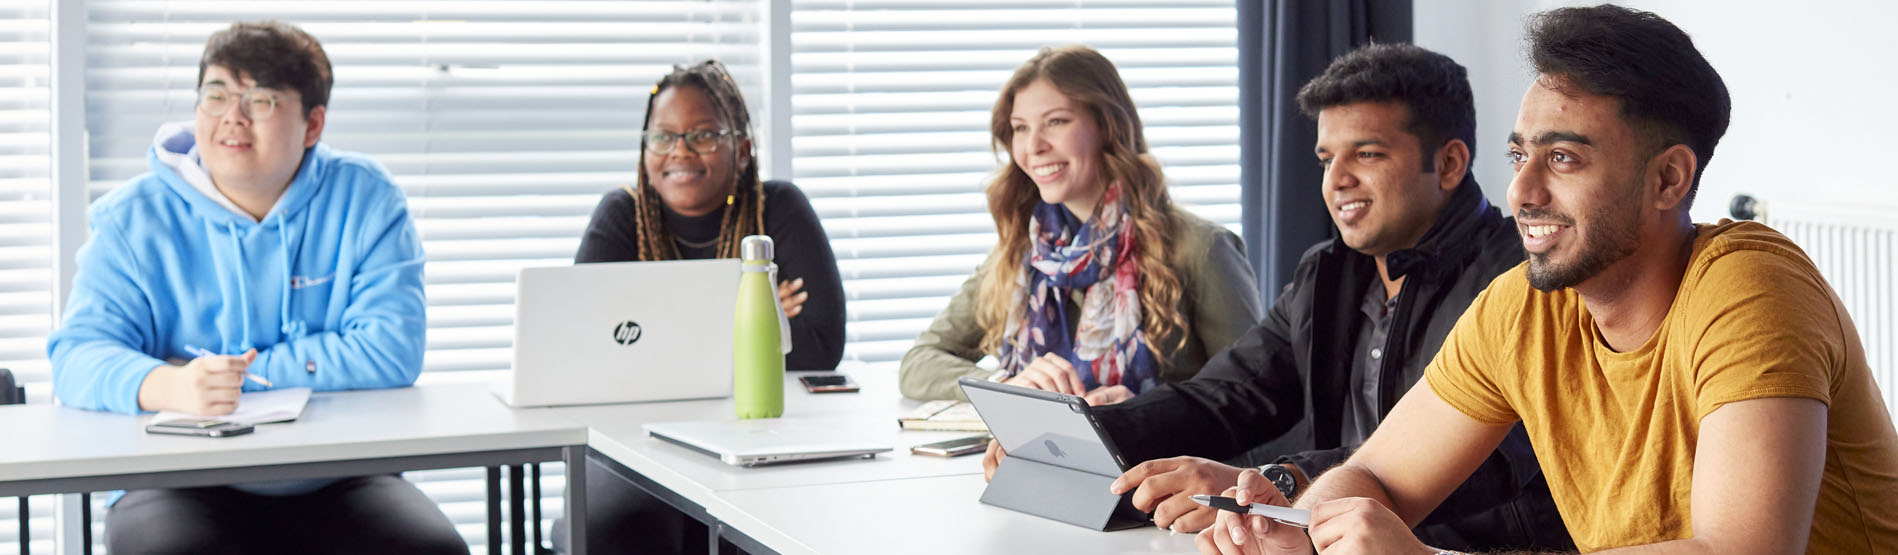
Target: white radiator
(1856, 249)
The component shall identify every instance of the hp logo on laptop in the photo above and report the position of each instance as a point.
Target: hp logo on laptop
(626, 333)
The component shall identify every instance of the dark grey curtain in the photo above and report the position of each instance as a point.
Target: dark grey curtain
(1283, 44)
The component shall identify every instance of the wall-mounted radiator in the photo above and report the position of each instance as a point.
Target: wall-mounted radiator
(1856, 249)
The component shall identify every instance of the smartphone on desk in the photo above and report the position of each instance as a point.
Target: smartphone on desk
(829, 383)
(208, 427)
(954, 447)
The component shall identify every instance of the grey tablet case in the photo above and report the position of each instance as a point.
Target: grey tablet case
(1059, 462)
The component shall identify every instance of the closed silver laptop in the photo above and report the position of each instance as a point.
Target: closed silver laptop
(621, 332)
(766, 440)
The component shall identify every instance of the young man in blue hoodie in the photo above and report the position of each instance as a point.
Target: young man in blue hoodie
(251, 247)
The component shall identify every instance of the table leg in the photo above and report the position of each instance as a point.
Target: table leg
(494, 510)
(535, 477)
(576, 513)
(517, 509)
(85, 522)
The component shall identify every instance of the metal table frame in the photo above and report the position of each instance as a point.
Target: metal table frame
(574, 456)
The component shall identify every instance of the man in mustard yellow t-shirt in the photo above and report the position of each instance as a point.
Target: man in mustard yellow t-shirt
(1687, 388)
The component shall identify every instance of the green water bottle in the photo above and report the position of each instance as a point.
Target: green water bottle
(758, 334)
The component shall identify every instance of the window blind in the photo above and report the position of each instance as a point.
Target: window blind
(891, 105)
(26, 241)
(504, 122)
(26, 252)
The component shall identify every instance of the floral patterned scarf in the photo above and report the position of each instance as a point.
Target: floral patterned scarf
(1100, 257)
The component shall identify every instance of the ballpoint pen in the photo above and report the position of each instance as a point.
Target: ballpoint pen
(197, 351)
(1294, 517)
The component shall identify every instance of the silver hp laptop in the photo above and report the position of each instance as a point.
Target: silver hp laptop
(764, 441)
(622, 331)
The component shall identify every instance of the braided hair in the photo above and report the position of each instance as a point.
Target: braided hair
(744, 201)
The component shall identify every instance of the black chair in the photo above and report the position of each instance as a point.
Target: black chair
(14, 394)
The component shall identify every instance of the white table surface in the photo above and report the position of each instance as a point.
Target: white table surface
(920, 515)
(896, 503)
(869, 414)
(52, 442)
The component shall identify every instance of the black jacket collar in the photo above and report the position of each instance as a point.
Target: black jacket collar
(1450, 241)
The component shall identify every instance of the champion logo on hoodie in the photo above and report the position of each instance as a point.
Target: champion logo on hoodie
(299, 282)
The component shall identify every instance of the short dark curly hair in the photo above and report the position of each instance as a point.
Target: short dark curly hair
(277, 55)
(1432, 86)
(1666, 88)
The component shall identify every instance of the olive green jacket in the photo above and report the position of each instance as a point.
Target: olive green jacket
(1219, 303)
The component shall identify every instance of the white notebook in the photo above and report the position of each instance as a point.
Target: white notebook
(257, 407)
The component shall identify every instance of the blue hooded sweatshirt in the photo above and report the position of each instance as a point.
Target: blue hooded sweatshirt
(327, 287)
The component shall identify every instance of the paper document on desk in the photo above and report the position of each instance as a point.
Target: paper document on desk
(257, 407)
(948, 416)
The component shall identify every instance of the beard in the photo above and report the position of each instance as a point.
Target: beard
(1611, 237)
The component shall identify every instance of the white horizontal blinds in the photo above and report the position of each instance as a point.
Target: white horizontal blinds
(891, 106)
(26, 240)
(504, 121)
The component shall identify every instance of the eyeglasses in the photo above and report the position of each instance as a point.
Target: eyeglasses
(703, 141)
(215, 101)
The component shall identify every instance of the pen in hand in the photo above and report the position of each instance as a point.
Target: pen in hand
(197, 351)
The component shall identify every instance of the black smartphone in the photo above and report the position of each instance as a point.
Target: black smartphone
(209, 427)
(954, 447)
(829, 383)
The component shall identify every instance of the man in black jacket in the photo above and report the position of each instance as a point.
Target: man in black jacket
(1362, 317)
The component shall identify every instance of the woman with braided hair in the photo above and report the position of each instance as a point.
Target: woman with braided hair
(698, 194)
(1098, 285)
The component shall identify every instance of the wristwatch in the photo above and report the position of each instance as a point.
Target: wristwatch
(1282, 479)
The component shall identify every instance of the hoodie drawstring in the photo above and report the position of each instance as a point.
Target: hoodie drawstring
(293, 328)
(243, 287)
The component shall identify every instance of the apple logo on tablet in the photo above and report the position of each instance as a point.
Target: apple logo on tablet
(1053, 449)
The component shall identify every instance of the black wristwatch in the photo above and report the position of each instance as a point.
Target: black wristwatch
(1282, 479)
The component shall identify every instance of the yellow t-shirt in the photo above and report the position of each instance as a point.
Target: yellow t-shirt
(1615, 432)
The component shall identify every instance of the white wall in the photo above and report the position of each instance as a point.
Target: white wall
(1815, 100)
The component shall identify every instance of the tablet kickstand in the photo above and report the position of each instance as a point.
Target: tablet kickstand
(1058, 493)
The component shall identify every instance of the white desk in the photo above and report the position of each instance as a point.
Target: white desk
(52, 449)
(617, 434)
(897, 502)
(942, 514)
(689, 481)
(894, 502)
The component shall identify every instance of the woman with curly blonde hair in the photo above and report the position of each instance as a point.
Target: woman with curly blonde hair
(1098, 285)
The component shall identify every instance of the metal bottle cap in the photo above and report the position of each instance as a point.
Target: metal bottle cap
(756, 247)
